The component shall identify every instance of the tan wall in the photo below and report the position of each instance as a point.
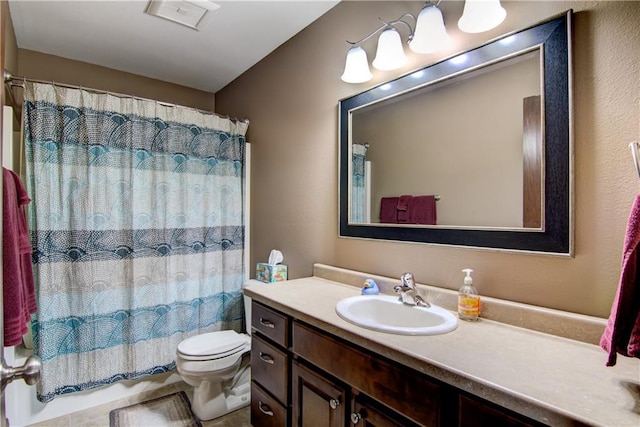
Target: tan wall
(10, 46)
(40, 66)
(291, 99)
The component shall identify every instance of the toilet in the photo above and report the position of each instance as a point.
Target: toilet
(217, 365)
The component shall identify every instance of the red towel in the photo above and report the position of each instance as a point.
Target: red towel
(19, 301)
(622, 334)
(404, 202)
(422, 210)
(388, 210)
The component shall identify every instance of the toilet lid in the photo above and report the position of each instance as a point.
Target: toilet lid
(221, 343)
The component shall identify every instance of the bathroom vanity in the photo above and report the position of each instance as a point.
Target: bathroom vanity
(312, 368)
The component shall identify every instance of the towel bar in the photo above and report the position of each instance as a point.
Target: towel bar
(634, 153)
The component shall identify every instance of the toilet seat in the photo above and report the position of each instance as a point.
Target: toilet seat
(212, 345)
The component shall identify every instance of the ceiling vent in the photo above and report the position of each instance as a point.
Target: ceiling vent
(192, 14)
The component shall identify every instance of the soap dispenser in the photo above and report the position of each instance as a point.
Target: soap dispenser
(468, 298)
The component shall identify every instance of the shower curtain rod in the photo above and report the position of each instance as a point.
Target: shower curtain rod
(14, 81)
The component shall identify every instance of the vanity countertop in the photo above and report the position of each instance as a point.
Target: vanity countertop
(548, 378)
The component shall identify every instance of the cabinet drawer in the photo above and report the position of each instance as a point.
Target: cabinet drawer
(394, 385)
(265, 410)
(270, 323)
(269, 368)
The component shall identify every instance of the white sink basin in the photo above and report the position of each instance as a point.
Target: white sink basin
(387, 313)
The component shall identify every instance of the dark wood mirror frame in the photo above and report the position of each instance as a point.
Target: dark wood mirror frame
(556, 235)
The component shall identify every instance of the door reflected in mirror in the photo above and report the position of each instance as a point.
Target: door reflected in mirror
(473, 142)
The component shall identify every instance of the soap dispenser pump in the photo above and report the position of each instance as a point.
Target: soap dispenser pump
(468, 298)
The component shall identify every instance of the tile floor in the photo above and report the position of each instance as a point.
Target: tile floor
(99, 415)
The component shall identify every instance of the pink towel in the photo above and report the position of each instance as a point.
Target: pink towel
(388, 210)
(622, 334)
(404, 202)
(19, 301)
(422, 210)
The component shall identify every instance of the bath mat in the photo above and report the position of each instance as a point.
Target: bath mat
(173, 410)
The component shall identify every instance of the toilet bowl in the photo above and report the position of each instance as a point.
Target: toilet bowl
(217, 365)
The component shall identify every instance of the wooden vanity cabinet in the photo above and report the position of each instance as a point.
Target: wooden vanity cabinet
(305, 377)
(414, 396)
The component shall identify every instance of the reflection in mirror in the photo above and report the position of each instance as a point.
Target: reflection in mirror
(474, 150)
(462, 140)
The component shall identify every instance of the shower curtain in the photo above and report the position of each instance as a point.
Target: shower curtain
(358, 201)
(137, 228)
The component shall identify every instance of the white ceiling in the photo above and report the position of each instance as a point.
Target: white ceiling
(119, 35)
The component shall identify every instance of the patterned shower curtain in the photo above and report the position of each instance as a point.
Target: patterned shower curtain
(137, 228)
(358, 202)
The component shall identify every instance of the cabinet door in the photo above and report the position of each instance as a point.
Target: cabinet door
(366, 414)
(317, 401)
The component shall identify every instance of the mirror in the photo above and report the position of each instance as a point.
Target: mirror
(474, 150)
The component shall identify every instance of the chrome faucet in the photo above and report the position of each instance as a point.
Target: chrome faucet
(408, 292)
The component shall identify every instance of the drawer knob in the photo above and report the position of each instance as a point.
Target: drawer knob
(356, 417)
(265, 409)
(267, 323)
(266, 358)
(334, 403)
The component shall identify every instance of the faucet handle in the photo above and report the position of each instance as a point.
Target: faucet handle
(408, 281)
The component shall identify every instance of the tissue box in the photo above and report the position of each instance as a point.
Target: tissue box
(271, 273)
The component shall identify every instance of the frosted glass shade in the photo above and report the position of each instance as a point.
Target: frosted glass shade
(481, 15)
(356, 67)
(390, 54)
(430, 35)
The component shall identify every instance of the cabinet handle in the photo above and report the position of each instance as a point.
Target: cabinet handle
(356, 417)
(334, 403)
(265, 409)
(266, 358)
(267, 323)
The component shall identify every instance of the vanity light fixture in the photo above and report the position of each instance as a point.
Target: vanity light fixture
(427, 35)
(481, 15)
(430, 35)
(390, 54)
(356, 69)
